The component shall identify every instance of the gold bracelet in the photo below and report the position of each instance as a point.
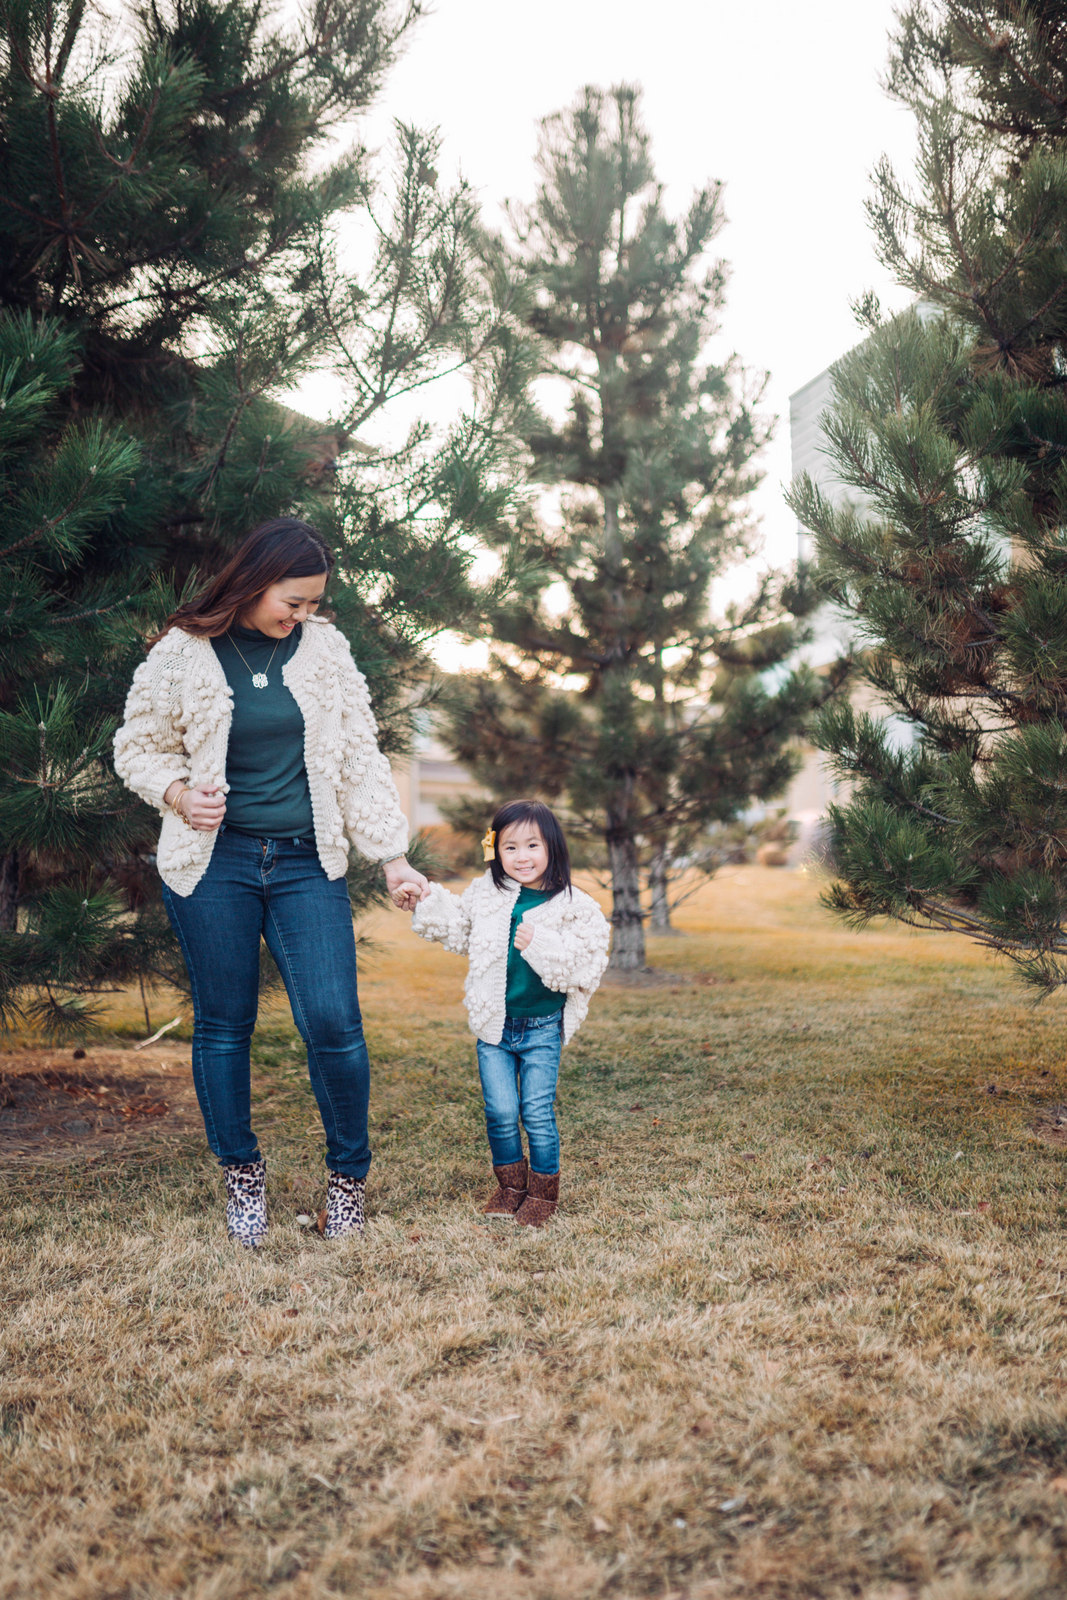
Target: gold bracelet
(176, 806)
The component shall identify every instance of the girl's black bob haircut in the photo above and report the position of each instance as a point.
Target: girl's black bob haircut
(558, 871)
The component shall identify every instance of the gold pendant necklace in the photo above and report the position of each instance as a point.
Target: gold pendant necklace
(259, 679)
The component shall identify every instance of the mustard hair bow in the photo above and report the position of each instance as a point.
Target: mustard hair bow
(489, 845)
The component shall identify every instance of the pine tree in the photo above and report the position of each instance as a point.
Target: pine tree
(950, 425)
(615, 690)
(173, 206)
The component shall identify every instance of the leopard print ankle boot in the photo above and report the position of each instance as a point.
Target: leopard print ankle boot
(344, 1212)
(542, 1197)
(510, 1191)
(246, 1202)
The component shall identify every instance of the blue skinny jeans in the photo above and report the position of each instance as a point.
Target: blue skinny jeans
(274, 889)
(519, 1078)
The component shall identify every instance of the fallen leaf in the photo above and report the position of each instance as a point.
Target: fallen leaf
(704, 1425)
(748, 1155)
(655, 1122)
(598, 1525)
(637, 1108)
(290, 1312)
(320, 1220)
(144, 1107)
(983, 1205)
(415, 1238)
(1059, 1484)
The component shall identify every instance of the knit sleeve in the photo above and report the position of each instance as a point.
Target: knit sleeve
(445, 917)
(149, 749)
(370, 802)
(574, 956)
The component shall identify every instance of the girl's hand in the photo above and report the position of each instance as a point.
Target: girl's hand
(202, 809)
(523, 936)
(406, 886)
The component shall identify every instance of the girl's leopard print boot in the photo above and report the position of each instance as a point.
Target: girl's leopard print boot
(246, 1202)
(344, 1206)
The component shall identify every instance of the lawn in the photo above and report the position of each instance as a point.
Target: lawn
(798, 1329)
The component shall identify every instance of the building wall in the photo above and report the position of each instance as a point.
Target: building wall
(813, 787)
(428, 776)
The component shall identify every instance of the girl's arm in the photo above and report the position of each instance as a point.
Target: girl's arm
(150, 753)
(445, 917)
(572, 957)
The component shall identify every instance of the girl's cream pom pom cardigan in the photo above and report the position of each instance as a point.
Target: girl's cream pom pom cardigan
(177, 726)
(568, 951)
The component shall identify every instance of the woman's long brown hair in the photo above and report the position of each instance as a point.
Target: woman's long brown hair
(282, 548)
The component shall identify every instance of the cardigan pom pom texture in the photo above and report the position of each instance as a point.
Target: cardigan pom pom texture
(177, 727)
(568, 951)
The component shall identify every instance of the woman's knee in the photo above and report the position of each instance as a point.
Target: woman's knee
(222, 1032)
(332, 1028)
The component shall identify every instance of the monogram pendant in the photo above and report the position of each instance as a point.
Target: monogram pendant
(259, 679)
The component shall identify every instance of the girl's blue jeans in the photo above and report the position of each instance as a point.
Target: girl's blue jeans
(274, 889)
(519, 1078)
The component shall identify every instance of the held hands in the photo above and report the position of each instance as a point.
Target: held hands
(406, 886)
(523, 936)
(202, 809)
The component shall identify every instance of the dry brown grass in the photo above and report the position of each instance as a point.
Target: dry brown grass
(798, 1330)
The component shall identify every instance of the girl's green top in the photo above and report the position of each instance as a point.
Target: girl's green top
(526, 995)
(269, 794)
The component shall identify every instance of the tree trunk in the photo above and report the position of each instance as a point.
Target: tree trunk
(9, 891)
(660, 919)
(628, 940)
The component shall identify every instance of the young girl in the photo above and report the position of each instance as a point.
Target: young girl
(538, 948)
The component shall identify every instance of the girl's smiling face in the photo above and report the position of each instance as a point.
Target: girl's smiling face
(523, 854)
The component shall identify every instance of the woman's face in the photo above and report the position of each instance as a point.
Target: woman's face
(279, 608)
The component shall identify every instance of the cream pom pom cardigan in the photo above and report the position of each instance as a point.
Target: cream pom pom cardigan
(177, 726)
(568, 951)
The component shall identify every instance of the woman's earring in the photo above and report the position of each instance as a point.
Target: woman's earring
(489, 845)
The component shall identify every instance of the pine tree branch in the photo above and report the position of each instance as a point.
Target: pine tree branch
(96, 611)
(50, 524)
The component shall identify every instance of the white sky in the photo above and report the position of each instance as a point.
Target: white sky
(781, 101)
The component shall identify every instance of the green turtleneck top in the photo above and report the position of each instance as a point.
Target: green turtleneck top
(526, 995)
(269, 795)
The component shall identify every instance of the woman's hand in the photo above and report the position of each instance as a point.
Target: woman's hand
(406, 886)
(523, 937)
(202, 809)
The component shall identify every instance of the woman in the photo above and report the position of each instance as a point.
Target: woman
(250, 729)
